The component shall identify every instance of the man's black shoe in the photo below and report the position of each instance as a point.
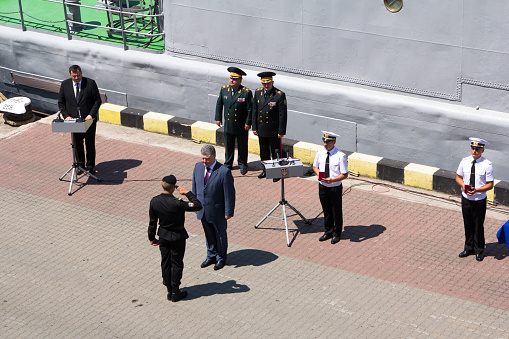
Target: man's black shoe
(325, 236)
(466, 254)
(243, 171)
(207, 262)
(479, 257)
(79, 172)
(276, 179)
(91, 170)
(178, 295)
(335, 240)
(262, 175)
(219, 265)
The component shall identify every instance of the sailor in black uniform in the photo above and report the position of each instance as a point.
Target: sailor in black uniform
(170, 212)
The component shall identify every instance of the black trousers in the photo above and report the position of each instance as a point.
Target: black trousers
(89, 138)
(331, 199)
(172, 261)
(474, 213)
(229, 148)
(268, 147)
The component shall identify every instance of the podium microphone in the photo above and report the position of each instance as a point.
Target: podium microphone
(79, 115)
(291, 162)
(59, 117)
(280, 161)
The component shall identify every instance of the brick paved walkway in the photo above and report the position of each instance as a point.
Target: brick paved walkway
(80, 265)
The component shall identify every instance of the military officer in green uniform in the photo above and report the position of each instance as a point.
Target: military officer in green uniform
(269, 117)
(237, 101)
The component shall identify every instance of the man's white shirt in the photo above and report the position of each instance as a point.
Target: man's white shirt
(337, 164)
(483, 175)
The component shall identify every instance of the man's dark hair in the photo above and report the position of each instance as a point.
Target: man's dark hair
(74, 69)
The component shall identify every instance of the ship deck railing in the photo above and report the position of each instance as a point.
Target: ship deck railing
(132, 23)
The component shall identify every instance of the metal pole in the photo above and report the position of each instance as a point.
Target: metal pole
(21, 14)
(159, 19)
(283, 190)
(74, 15)
(122, 24)
(66, 23)
(286, 226)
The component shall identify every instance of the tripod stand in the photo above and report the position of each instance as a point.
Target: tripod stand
(283, 202)
(75, 167)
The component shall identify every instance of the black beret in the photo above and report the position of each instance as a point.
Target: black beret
(170, 179)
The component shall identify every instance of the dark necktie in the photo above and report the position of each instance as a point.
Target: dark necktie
(77, 90)
(207, 175)
(327, 170)
(472, 175)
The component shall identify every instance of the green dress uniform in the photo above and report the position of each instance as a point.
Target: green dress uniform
(237, 113)
(269, 120)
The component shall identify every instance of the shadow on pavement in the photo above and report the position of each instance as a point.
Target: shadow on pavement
(360, 232)
(356, 233)
(254, 165)
(208, 289)
(250, 257)
(316, 226)
(302, 227)
(494, 249)
(113, 172)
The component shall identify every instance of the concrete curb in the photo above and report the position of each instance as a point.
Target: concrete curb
(410, 174)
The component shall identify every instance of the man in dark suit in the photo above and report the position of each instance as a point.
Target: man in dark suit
(170, 212)
(79, 99)
(269, 117)
(213, 185)
(236, 100)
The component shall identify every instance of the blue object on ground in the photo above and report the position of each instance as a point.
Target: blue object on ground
(503, 234)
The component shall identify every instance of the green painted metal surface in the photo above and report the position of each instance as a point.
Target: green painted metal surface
(49, 16)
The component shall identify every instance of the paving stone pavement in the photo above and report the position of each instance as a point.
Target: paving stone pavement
(81, 266)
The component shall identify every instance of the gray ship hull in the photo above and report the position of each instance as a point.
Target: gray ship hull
(410, 86)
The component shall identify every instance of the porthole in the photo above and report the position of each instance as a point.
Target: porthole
(393, 5)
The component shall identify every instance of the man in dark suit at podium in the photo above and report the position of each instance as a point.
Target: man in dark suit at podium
(213, 185)
(79, 98)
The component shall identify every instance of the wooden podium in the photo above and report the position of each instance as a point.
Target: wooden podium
(73, 126)
(281, 169)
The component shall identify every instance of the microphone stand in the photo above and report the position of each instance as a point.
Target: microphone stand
(75, 166)
(283, 203)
